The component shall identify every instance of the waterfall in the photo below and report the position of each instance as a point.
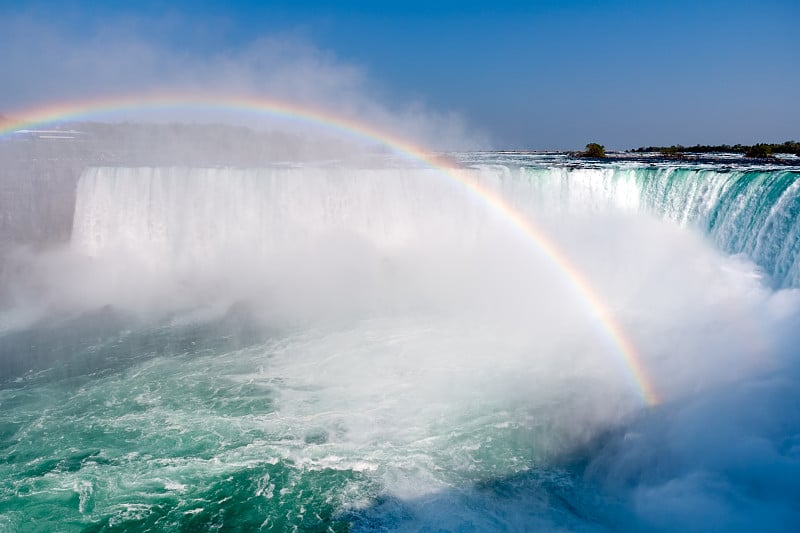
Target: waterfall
(191, 214)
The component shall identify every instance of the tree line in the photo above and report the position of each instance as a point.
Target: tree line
(760, 150)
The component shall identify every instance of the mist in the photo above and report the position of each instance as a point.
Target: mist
(133, 56)
(189, 297)
(405, 301)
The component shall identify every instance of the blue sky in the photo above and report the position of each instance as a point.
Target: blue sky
(526, 74)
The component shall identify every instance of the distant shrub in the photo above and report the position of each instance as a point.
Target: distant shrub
(671, 151)
(595, 150)
(789, 147)
(760, 151)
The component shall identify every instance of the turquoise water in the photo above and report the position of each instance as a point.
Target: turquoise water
(408, 365)
(201, 428)
(743, 210)
(180, 430)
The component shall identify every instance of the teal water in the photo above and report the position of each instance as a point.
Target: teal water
(742, 210)
(198, 428)
(406, 366)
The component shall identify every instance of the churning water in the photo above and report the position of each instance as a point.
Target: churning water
(363, 348)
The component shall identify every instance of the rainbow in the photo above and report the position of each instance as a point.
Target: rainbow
(612, 331)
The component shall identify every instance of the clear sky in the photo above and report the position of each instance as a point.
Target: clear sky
(535, 74)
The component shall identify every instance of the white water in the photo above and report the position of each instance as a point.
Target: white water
(316, 243)
(432, 348)
(180, 215)
(181, 218)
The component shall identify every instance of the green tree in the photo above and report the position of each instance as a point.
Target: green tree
(671, 151)
(595, 150)
(759, 150)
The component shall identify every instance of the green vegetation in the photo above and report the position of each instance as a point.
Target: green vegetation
(760, 150)
(594, 150)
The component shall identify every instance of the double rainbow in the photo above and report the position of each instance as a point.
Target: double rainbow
(612, 331)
